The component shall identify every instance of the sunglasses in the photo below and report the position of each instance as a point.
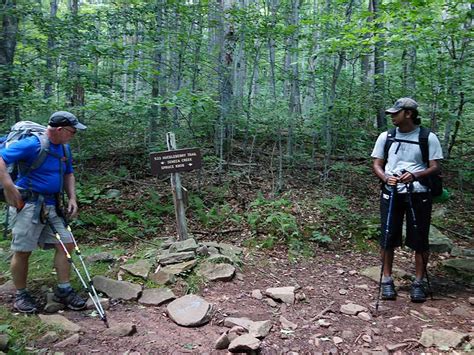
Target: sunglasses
(72, 131)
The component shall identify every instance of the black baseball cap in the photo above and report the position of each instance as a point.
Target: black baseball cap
(65, 119)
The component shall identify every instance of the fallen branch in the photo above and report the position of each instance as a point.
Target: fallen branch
(451, 231)
(320, 314)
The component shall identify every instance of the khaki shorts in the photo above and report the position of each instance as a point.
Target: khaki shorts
(27, 236)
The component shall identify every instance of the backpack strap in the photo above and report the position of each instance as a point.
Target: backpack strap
(43, 153)
(423, 140)
(391, 133)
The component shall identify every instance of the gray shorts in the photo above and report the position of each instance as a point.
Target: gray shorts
(27, 236)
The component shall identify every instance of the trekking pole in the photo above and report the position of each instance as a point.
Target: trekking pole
(409, 188)
(5, 223)
(90, 289)
(386, 236)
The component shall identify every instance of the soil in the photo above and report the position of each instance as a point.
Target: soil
(324, 282)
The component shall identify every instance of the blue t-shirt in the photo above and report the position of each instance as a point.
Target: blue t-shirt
(45, 179)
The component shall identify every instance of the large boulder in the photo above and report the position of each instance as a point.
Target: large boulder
(439, 243)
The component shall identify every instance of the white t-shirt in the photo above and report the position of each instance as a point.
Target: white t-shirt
(407, 156)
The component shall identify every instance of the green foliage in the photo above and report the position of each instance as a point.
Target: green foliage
(320, 239)
(213, 216)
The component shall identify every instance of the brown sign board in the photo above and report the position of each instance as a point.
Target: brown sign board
(174, 161)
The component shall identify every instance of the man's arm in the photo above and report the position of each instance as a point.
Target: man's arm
(70, 188)
(12, 195)
(433, 168)
(379, 170)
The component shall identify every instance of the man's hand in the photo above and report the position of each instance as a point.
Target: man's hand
(72, 208)
(13, 197)
(392, 180)
(407, 177)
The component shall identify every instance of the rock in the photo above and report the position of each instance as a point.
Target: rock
(367, 338)
(105, 302)
(395, 347)
(49, 337)
(117, 289)
(230, 322)
(102, 256)
(271, 302)
(463, 268)
(457, 251)
(51, 305)
(183, 246)
(352, 309)
(364, 316)
(189, 311)
(235, 332)
(229, 250)
(177, 269)
(286, 324)
(202, 251)
(212, 250)
(141, 268)
(222, 342)
(362, 287)
(430, 311)
(4, 339)
(442, 338)
(471, 301)
(72, 340)
(439, 243)
(216, 272)
(257, 294)
(60, 321)
(121, 330)
(300, 296)
(284, 294)
(324, 323)
(156, 296)
(373, 273)
(260, 329)
(461, 311)
(175, 258)
(244, 343)
(337, 340)
(219, 259)
(342, 291)
(162, 278)
(347, 334)
(112, 193)
(7, 288)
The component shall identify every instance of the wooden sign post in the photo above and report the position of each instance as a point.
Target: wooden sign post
(173, 161)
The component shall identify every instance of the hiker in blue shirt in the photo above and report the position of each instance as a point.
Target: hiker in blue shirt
(402, 172)
(33, 200)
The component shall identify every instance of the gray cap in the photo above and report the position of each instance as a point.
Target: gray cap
(65, 119)
(401, 104)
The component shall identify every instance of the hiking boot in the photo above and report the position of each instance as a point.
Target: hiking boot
(388, 290)
(69, 298)
(24, 303)
(417, 292)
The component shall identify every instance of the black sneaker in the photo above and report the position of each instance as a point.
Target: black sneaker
(69, 298)
(24, 303)
(388, 290)
(417, 292)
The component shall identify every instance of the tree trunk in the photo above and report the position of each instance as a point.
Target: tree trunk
(76, 93)
(379, 69)
(7, 53)
(51, 63)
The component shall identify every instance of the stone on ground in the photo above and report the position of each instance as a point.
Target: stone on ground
(184, 245)
(189, 311)
(471, 301)
(219, 259)
(257, 294)
(117, 289)
(230, 322)
(141, 268)
(49, 337)
(439, 243)
(244, 343)
(442, 338)
(364, 316)
(216, 272)
(179, 268)
(260, 329)
(463, 268)
(352, 309)
(284, 294)
(175, 258)
(162, 278)
(51, 305)
(286, 324)
(156, 296)
(105, 302)
(222, 342)
(102, 256)
(373, 273)
(58, 320)
(7, 288)
(121, 330)
(72, 340)
(4, 339)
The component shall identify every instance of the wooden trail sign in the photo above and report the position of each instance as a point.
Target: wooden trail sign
(172, 162)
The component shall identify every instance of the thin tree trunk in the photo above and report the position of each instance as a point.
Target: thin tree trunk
(51, 62)
(379, 69)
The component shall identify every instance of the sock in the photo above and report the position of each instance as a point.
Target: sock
(64, 286)
(21, 291)
(420, 281)
(387, 278)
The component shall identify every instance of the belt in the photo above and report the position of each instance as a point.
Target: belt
(38, 199)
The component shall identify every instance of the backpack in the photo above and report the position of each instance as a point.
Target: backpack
(434, 182)
(19, 131)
